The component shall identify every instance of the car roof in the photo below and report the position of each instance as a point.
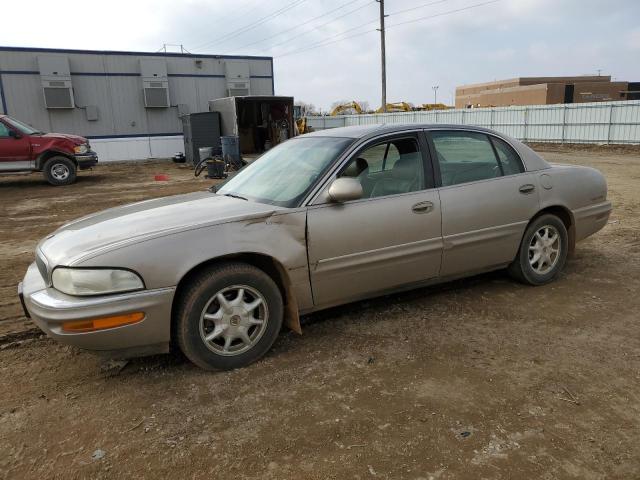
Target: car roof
(362, 131)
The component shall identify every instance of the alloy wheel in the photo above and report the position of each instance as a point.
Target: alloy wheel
(544, 249)
(234, 320)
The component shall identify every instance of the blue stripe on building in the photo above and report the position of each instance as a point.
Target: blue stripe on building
(2, 97)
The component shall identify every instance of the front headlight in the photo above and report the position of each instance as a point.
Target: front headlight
(84, 148)
(84, 281)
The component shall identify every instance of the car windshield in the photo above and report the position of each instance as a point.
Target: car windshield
(23, 127)
(285, 174)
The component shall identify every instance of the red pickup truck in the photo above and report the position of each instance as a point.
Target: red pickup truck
(59, 156)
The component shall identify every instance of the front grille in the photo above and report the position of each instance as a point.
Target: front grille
(41, 263)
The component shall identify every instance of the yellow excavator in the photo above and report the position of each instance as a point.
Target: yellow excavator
(396, 107)
(343, 107)
(433, 106)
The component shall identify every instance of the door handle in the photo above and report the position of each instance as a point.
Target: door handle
(422, 207)
(526, 189)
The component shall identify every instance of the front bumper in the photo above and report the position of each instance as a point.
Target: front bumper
(86, 160)
(49, 308)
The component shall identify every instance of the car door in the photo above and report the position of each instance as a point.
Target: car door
(486, 197)
(14, 149)
(388, 238)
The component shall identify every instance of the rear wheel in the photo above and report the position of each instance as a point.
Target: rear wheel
(543, 251)
(59, 171)
(228, 316)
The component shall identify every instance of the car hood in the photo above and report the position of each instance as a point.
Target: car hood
(120, 226)
(77, 139)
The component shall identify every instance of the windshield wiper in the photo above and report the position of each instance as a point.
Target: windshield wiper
(235, 196)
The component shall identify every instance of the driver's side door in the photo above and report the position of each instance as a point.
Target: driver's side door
(389, 238)
(14, 152)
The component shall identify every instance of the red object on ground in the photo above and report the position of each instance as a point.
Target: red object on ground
(161, 178)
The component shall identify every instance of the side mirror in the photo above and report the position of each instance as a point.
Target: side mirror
(14, 134)
(345, 189)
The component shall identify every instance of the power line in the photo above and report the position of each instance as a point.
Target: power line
(469, 7)
(350, 29)
(300, 25)
(226, 37)
(329, 41)
(417, 7)
(355, 28)
(288, 40)
(325, 43)
(243, 8)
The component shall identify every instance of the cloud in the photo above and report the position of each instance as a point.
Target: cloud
(502, 40)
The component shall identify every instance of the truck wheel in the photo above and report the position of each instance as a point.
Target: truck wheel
(228, 316)
(59, 171)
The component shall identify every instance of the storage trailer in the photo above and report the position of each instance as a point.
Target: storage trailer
(261, 122)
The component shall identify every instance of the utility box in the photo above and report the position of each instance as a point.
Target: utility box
(200, 130)
(261, 122)
(155, 82)
(238, 78)
(55, 77)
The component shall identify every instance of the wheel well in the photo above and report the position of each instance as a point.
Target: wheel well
(566, 216)
(267, 264)
(50, 153)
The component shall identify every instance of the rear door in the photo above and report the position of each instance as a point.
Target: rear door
(387, 239)
(487, 199)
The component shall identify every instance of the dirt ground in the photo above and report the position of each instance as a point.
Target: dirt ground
(480, 378)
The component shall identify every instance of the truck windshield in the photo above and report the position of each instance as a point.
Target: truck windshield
(286, 173)
(22, 127)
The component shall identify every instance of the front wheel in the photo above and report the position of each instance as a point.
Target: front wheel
(228, 316)
(59, 171)
(543, 251)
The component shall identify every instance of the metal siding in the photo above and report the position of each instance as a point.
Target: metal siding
(23, 103)
(111, 81)
(260, 86)
(601, 122)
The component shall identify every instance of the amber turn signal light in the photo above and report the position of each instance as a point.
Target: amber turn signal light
(79, 326)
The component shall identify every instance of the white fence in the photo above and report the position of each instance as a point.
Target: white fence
(601, 122)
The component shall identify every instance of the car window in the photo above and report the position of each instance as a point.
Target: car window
(284, 174)
(4, 131)
(381, 157)
(388, 168)
(464, 157)
(509, 159)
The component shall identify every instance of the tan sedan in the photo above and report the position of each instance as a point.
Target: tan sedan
(321, 220)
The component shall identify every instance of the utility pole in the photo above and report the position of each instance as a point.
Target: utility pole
(435, 93)
(383, 57)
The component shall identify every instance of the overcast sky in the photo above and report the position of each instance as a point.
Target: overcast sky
(505, 39)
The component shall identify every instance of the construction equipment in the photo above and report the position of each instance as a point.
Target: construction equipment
(343, 107)
(432, 106)
(396, 107)
(302, 126)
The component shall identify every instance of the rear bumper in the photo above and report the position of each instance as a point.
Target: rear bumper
(87, 160)
(591, 219)
(49, 309)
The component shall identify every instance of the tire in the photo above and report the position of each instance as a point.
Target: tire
(204, 325)
(537, 243)
(59, 170)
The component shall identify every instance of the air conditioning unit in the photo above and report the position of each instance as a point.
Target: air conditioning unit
(55, 78)
(238, 78)
(155, 83)
(238, 89)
